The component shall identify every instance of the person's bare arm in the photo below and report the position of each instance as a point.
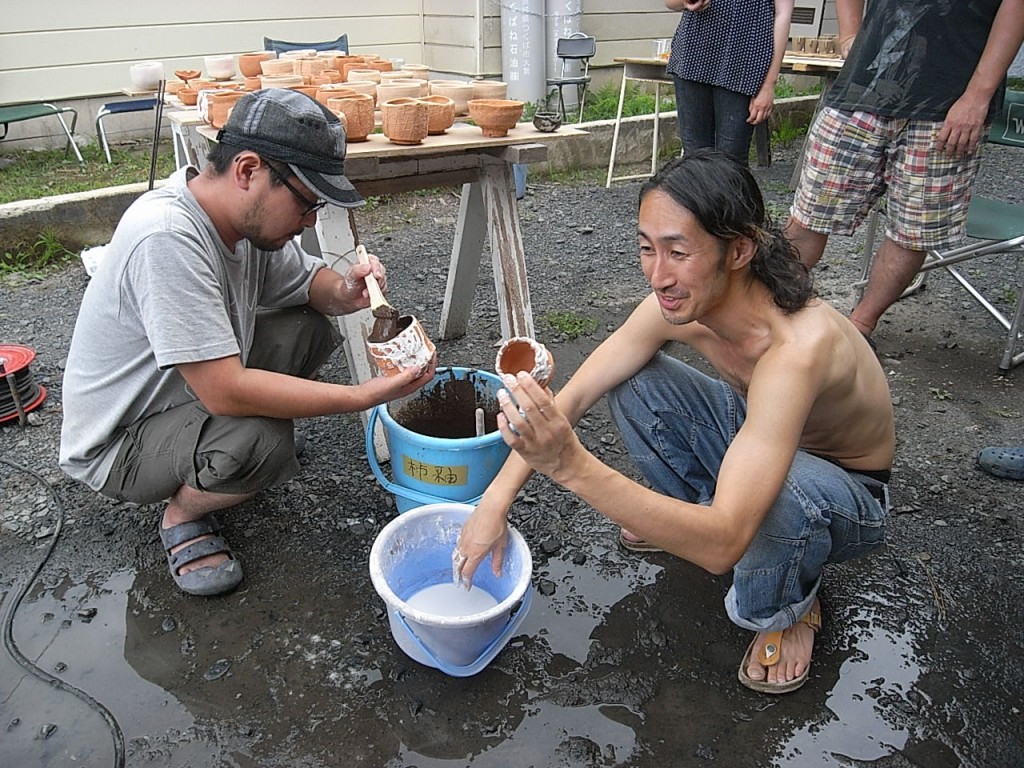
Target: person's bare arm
(687, 5)
(762, 102)
(616, 359)
(226, 388)
(850, 14)
(963, 128)
(782, 392)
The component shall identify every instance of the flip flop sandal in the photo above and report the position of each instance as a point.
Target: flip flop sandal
(1003, 462)
(637, 545)
(201, 581)
(769, 656)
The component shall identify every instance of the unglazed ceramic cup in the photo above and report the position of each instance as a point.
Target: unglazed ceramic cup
(521, 353)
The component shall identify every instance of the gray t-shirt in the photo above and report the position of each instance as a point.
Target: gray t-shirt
(168, 291)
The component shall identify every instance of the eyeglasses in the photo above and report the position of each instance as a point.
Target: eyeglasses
(307, 207)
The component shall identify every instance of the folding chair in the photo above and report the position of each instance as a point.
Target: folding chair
(575, 50)
(280, 46)
(21, 112)
(993, 226)
(119, 108)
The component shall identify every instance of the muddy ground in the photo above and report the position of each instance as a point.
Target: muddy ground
(624, 660)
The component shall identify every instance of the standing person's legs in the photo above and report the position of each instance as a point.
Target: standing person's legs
(926, 208)
(695, 114)
(841, 179)
(732, 131)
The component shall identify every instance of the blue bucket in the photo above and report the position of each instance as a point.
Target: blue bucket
(414, 552)
(427, 469)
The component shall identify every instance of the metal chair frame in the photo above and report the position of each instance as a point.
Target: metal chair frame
(18, 112)
(579, 48)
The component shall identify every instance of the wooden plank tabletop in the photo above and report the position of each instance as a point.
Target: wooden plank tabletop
(793, 61)
(459, 137)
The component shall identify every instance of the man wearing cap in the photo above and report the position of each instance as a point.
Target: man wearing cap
(200, 334)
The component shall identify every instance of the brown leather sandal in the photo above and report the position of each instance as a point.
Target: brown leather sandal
(771, 653)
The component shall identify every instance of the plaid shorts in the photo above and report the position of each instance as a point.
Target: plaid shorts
(852, 159)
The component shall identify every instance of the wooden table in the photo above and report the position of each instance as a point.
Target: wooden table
(488, 211)
(652, 70)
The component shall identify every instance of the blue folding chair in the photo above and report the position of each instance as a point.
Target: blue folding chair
(119, 108)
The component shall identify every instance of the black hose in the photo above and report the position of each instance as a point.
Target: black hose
(8, 626)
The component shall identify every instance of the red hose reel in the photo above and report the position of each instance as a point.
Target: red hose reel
(19, 392)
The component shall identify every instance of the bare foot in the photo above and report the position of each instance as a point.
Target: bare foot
(795, 653)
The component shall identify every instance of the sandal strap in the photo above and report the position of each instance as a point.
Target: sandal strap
(771, 651)
(812, 619)
(199, 549)
(179, 534)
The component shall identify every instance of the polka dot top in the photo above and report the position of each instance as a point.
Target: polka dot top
(727, 44)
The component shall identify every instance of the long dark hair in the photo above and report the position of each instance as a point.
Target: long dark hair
(724, 197)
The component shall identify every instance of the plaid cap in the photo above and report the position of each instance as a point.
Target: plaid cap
(288, 126)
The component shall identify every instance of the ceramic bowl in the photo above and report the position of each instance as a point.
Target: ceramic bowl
(249, 63)
(220, 67)
(547, 122)
(440, 114)
(187, 74)
(489, 89)
(273, 67)
(146, 75)
(458, 91)
(495, 116)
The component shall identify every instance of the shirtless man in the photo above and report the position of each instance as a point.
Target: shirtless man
(770, 471)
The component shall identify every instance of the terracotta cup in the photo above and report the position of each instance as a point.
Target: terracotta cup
(489, 89)
(440, 114)
(277, 67)
(361, 72)
(404, 120)
(495, 116)
(410, 348)
(458, 91)
(358, 110)
(249, 63)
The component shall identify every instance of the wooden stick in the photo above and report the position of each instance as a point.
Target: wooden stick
(377, 299)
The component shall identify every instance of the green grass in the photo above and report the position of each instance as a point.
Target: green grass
(30, 174)
(571, 324)
(31, 261)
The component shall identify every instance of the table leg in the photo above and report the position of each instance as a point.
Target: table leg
(615, 132)
(336, 239)
(464, 267)
(657, 126)
(508, 257)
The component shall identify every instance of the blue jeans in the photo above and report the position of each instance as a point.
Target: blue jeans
(710, 116)
(677, 424)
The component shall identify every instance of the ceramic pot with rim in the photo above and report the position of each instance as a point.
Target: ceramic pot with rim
(277, 67)
(495, 116)
(458, 91)
(330, 90)
(146, 75)
(363, 86)
(404, 120)
(421, 71)
(489, 89)
(547, 122)
(249, 63)
(361, 72)
(188, 97)
(521, 354)
(358, 111)
(220, 67)
(219, 105)
(440, 114)
(281, 81)
(396, 89)
(310, 66)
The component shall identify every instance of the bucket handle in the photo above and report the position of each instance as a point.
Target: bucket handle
(515, 618)
(398, 490)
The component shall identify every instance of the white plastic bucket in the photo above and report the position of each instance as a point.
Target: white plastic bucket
(413, 552)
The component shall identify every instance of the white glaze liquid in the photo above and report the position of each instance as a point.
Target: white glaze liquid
(448, 599)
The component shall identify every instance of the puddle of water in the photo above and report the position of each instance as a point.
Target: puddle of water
(78, 631)
(884, 665)
(587, 735)
(581, 601)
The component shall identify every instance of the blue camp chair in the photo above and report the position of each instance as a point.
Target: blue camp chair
(994, 227)
(19, 112)
(119, 108)
(280, 46)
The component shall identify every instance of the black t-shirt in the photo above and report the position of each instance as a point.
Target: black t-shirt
(914, 58)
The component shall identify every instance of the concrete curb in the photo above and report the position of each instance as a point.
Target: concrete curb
(88, 218)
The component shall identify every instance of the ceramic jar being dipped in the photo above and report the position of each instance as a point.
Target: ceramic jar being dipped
(521, 353)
